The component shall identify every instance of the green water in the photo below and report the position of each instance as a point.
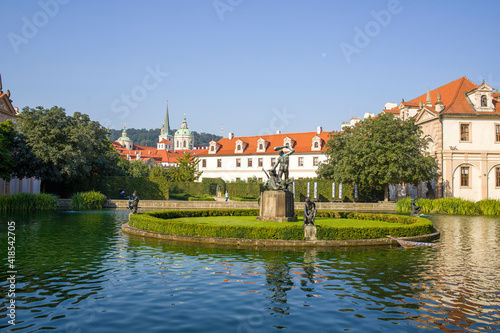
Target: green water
(77, 272)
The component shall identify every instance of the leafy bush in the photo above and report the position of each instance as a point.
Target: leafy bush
(233, 223)
(453, 206)
(489, 206)
(88, 200)
(27, 202)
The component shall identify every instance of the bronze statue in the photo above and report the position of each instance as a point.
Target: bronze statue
(275, 182)
(414, 208)
(133, 203)
(283, 162)
(309, 212)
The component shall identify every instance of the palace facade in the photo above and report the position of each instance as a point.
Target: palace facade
(461, 123)
(245, 157)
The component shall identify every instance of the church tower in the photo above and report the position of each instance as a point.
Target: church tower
(184, 137)
(124, 140)
(166, 139)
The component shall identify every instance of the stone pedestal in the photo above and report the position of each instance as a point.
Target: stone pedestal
(310, 232)
(277, 206)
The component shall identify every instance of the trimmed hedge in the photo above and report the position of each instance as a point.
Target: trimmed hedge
(330, 225)
(452, 206)
(27, 202)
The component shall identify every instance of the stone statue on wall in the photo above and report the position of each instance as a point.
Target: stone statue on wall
(133, 203)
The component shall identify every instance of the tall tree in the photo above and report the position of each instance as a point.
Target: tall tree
(186, 170)
(7, 162)
(380, 151)
(66, 148)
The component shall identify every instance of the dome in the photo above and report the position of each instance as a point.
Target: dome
(184, 130)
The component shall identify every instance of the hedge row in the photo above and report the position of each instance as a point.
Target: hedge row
(453, 206)
(88, 200)
(327, 228)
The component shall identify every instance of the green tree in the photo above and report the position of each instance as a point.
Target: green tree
(138, 169)
(186, 170)
(378, 152)
(7, 162)
(66, 148)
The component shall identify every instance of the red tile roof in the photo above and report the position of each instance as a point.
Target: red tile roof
(145, 152)
(303, 143)
(453, 97)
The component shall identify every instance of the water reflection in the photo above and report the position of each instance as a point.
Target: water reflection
(79, 272)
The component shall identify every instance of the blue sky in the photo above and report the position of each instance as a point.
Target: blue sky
(254, 66)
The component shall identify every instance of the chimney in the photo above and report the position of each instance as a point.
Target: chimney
(231, 136)
(278, 132)
(319, 130)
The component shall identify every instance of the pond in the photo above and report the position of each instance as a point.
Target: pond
(77, 272)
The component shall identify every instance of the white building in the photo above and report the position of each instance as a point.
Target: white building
(241, 158)
(461, 123)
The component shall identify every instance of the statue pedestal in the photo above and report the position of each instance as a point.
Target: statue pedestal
(310, 232)
(277, 206)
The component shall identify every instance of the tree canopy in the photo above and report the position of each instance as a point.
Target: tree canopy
(380, 151)
(56, 147)
(7, 162)
(186, 169)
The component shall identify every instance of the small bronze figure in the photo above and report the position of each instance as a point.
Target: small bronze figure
(414, 208)
(133, 203)
(309, 212)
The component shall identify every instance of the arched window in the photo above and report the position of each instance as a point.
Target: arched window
(484, 101)
(316, 145)
(238, 147)
(177, 144)
(261, 146)
(184, 144)
(211, 148)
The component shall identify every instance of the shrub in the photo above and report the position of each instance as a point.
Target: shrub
(489, 207)
(27, 202)
(88, 200)
(244, 197)
(453, 206)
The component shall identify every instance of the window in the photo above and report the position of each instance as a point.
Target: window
(260, 162)
(316, 144)
(464, 132)
(484, 101)
(464, 176)
(259, 179)
(497, 133)
(261, 146)
(250, 163)
(238, 179)
(178, 144)
(315, 161)
(301, 161)
(273, 160)
(184, 144)
(212, 148)
(497, 177)
(238, 147)
(204, 163)
(238, 162)
(219, 162)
